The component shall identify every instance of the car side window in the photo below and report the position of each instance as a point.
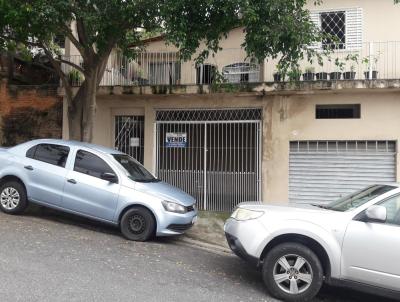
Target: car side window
(49, 153)
(392, 206)
(31, 152)
(90, 164)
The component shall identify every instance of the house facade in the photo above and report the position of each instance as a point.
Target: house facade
(232, 130)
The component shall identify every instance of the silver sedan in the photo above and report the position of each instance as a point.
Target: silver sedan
(95, 182)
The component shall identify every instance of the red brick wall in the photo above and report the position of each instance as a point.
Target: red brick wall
(13, 97)
(28, 106)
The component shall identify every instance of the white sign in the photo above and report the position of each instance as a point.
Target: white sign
(135, 142)
(175, 140)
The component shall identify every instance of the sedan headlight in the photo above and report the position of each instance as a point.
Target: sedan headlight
(246, 214)
(174, 207)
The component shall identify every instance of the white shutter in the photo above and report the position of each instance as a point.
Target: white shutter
(354, 26)
(316, 19)
(321, 172)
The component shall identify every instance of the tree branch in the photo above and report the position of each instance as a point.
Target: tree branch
(74, 41)
(63, 77)
(82, 35)
(103, 59)
(80, 27)
(77, 67)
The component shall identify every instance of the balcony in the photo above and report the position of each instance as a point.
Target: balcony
(372, 61)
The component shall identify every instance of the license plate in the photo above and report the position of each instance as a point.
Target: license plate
(194, 220)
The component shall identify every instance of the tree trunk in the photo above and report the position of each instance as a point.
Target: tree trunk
(82, 114)
(10, 63)
(82, 108)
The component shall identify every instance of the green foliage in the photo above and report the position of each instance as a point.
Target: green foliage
(339, 64)
(75, 77)
(371, 61)
(353, 59)
(272, 27)
(294, 74)
(310, 69)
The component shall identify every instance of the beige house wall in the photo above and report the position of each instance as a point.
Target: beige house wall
(293, 119)
(380, 18)
(380, 21)
(285, 118)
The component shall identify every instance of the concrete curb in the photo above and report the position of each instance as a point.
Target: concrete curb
(206, 246)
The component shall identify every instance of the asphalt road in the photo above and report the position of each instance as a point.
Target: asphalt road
(49, 256)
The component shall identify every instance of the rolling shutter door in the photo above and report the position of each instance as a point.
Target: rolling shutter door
(321, 172)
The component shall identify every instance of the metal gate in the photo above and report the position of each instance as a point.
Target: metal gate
(129, 135)
(323, 171)
(214, 155)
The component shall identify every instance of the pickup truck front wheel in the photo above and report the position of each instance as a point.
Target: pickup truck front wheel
(13, 197)
(292, 272)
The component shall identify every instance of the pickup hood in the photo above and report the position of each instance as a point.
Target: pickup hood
(287, 208)
(165, 191)
(298, 212)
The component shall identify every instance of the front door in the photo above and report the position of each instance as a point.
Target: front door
(371, 250)
(85, 192)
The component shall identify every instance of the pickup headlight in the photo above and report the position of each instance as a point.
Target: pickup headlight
(174, 207)
(246, 214)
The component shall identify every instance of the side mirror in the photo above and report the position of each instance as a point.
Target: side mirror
(111, 177)
(376, 214)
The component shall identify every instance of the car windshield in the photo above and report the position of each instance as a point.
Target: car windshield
(359, 198)
(134, 169)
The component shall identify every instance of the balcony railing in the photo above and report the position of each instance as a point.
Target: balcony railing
(377, 60)
(165, 68)
(372, 60)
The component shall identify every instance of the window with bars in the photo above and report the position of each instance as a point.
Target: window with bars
(241, 72)
(343, 28)
(337, 111)
(165, 73)
(333, 25)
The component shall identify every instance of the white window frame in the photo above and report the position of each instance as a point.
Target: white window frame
(353, 27)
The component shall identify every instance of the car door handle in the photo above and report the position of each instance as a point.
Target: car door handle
(72, 181)
(30, 168)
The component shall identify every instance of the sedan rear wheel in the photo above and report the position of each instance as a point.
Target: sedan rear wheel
(292, 272)
(13, 197)
(138, 224)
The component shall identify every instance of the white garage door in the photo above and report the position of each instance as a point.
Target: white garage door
(323, 171)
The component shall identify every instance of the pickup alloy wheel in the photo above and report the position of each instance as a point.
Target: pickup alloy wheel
(12, 197)
(292, 272)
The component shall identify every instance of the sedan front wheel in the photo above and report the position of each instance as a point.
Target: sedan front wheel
(138, 224)
(292, 272)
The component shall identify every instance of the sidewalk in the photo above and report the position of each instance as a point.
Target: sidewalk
(210, 229)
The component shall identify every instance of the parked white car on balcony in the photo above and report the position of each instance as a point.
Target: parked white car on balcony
(354, 241)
